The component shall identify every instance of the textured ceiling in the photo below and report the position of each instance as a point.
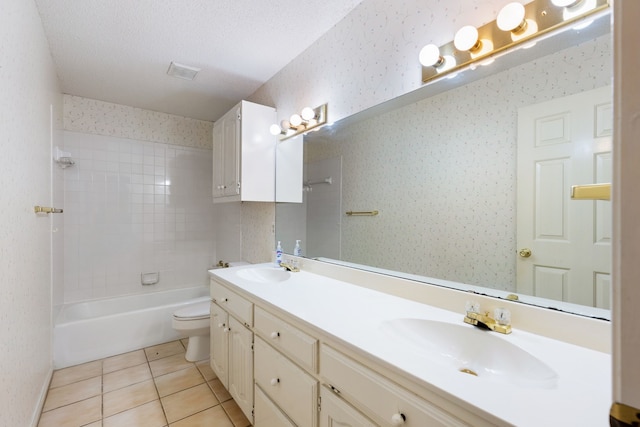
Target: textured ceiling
(119, 50)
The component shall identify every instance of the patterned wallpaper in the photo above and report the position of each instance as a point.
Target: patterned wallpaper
(104, 118)
(30, 116)
(371, 56)
(442, 171)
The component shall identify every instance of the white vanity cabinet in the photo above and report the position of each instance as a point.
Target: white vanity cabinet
(286, 364)
(336, 412)
(292, 389)
(380, 398)
(232, 344)
(244, 154)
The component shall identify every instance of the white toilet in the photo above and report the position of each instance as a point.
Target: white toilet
(193, 321)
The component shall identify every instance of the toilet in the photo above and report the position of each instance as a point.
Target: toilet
(193, 321)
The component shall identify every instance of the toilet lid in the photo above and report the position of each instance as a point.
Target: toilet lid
(200, 310)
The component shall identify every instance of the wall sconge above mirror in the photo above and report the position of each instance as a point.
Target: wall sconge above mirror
(309, 118)
(515, 25)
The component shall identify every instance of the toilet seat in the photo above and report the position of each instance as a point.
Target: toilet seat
(193, 311)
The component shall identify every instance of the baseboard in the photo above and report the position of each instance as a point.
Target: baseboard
(43, 396)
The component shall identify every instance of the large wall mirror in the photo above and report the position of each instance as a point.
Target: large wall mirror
(446, 184)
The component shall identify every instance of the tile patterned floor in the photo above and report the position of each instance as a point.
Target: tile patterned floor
(151, 387)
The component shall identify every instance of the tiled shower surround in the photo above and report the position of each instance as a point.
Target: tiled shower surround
(134, 207)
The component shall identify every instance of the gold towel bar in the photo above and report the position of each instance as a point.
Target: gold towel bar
(362, 213)
(43, 209)
(591, 192)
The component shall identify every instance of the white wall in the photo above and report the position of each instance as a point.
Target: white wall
(29, 89)
(138, 200)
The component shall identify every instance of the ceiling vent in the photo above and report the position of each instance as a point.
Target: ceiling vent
(182, 71)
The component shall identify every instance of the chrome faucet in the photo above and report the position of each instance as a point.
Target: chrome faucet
(500, 322)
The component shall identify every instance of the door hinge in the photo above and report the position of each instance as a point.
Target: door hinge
(319, 403)
(239, 115)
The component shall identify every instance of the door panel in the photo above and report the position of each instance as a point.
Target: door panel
(565, 142)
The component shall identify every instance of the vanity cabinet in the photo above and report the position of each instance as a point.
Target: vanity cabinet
(293, 390)
(267, 413)
(285, 372)
(378, 397)
(336, 412)
(232, 344)
(286, 364)
(244, 154)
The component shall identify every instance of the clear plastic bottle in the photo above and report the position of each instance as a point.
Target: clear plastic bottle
(297, 251)
(279, 254)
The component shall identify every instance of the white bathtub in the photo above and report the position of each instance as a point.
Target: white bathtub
(92, 330)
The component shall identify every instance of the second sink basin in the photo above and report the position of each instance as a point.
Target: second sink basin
(264, 275)
(471, 351)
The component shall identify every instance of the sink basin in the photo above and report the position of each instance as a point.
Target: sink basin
(471, 351)
(263, 275)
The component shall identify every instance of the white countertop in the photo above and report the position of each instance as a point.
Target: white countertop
(356, 315)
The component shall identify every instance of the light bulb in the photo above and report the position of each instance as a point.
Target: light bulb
(565, 3)
(284, 124)
(295, 120)
(308, 113)
(275, 129)
(430, 56)
(511, 18)
(466, 39)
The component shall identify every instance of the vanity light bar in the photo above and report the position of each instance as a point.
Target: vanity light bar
(308, 119)
(540, 17)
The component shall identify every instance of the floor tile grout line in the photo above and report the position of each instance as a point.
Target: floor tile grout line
(102, 393)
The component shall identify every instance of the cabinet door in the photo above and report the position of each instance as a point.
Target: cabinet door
(241, 366)
(219, 344)
(231, 152)
(218, 160)
(336, 412)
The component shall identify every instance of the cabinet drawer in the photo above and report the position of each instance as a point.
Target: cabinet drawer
(337, 412)
(301, 347)
(291, 388)
(267, 414)
(384, 401)
(239, 307)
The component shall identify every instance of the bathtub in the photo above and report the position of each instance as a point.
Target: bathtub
(92, 330)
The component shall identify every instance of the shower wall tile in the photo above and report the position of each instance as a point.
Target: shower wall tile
(134, 207)
(105, 118)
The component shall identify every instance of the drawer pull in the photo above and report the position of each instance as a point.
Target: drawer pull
(227, 329)
(275, 335)
(220, 325)
(398, 419)
(275, 381)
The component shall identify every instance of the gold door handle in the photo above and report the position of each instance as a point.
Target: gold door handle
(525, 253)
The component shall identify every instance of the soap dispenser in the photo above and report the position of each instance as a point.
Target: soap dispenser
(297, 251)
(279, 254)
